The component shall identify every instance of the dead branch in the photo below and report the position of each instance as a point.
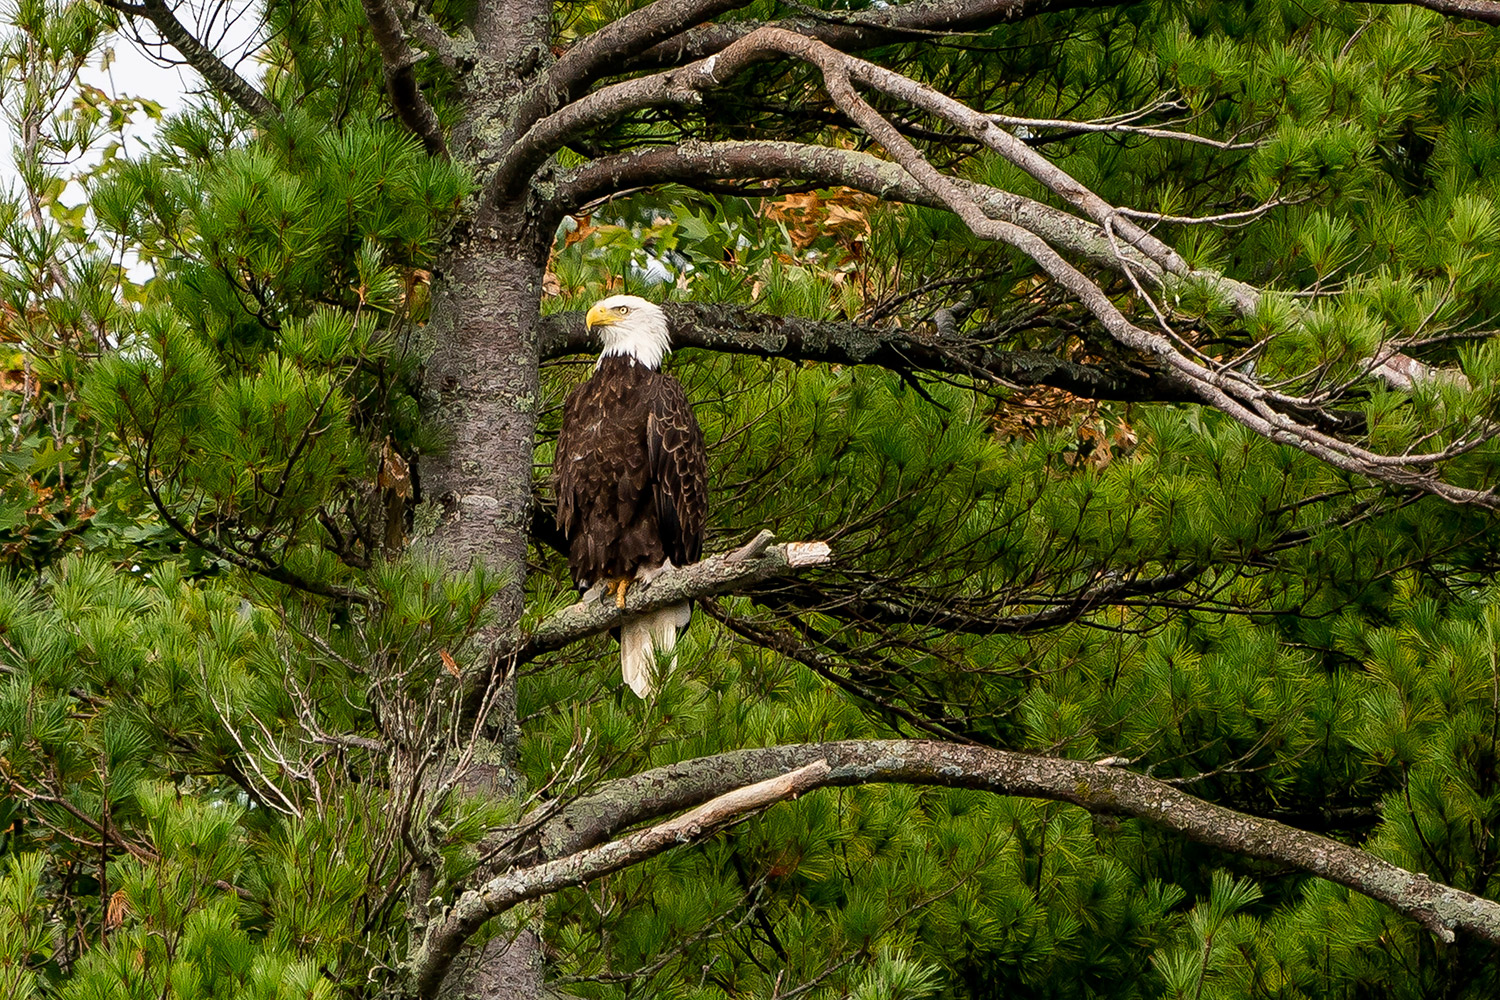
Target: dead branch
(1103, 790)
(728, 786)
(499, 894)
(758, 560)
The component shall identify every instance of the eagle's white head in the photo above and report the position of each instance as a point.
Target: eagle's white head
(630, 325)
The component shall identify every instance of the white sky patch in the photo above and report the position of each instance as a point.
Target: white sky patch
(235, 32)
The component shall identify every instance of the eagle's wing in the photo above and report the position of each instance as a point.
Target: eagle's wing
(565, 471)
(679, 470)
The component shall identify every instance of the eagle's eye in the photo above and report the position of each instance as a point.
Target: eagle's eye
(624, 310)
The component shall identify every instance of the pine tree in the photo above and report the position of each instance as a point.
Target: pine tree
(1137, 363)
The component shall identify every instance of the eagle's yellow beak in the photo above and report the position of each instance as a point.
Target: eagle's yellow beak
(598, 315)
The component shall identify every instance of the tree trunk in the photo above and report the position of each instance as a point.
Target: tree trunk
(481, 384)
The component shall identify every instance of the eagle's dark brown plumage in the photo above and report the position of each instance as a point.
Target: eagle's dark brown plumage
(631, 474)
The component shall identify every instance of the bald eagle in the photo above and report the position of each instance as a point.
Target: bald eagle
(631, 476)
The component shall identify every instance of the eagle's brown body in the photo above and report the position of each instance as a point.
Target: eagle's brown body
(631, 473)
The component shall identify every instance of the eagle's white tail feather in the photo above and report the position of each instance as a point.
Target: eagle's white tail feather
(641, 639)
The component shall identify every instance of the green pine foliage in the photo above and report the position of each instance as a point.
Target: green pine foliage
(214, 639)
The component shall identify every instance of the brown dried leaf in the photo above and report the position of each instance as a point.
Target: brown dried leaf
(841, 218)
(449, 664)
(395, 474)
(115, 914)
(583, 232)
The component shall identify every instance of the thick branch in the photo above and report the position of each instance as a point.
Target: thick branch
(1101, 790)
(692, 162)
(672, 32)
(606, 49)
(752, 563)
(861, 30)
(1487, 11)
(399, 61)
(199, 56)
(741, 330)
(499, 894)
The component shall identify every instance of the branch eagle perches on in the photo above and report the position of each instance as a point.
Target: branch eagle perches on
(758, 560)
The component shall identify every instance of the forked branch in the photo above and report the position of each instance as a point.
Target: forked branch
(736, 783)
(398, 60)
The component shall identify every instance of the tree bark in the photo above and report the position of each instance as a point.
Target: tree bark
(1101, 789)
(481, 384)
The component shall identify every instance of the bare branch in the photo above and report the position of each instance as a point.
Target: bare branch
(1487, 11)
(862, 30)
(740, 330)
(399, 61)
(1099, 789)
(606, 49)
(691, 162)
(758, 560)
(199, 56)
(499, 894)
(1118, 127)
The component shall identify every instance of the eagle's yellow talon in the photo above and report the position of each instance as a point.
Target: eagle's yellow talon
(620, 586)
